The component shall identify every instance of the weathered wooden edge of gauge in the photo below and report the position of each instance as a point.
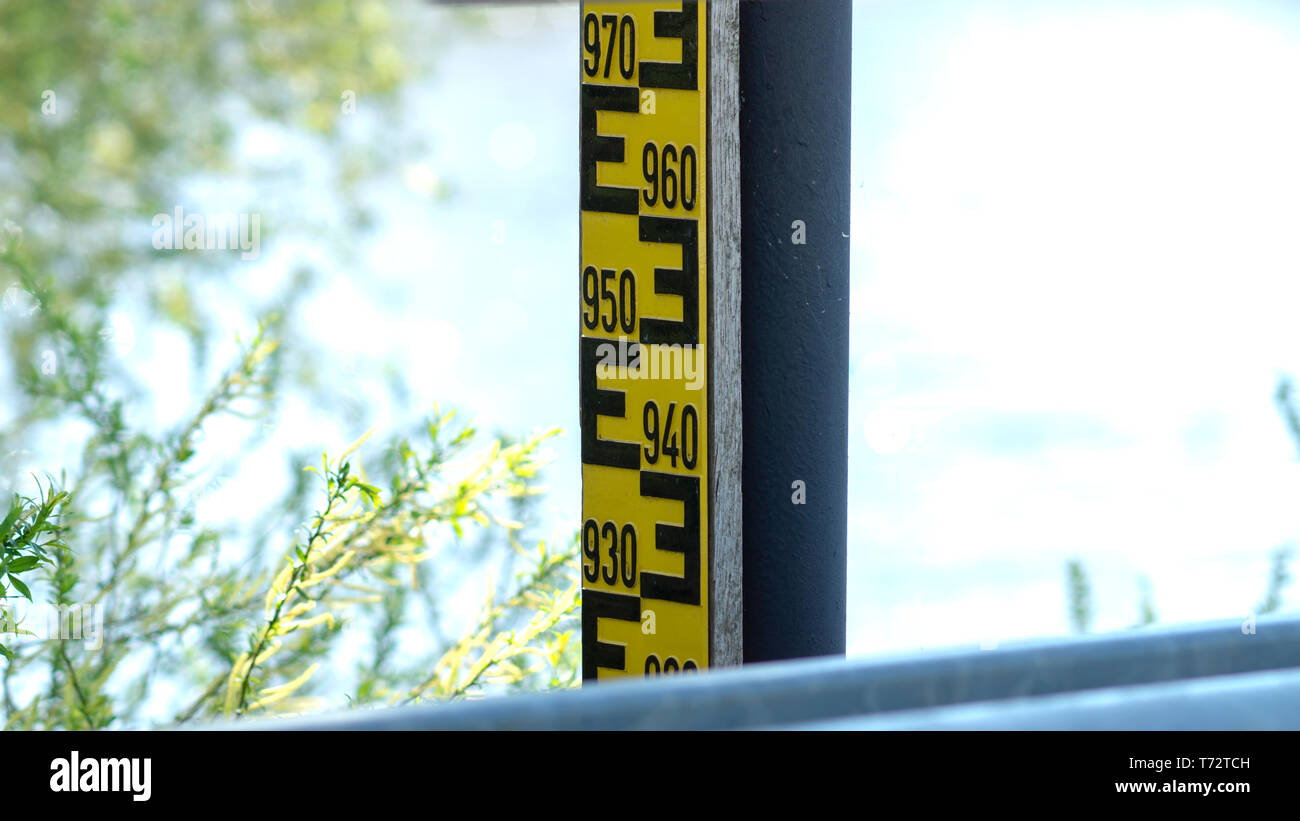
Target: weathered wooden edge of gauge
(726, 623)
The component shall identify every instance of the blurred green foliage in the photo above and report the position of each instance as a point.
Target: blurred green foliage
(1078, 588)
(112, 112)
(1080, 595)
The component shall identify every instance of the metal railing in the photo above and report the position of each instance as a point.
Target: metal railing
(1192, 677)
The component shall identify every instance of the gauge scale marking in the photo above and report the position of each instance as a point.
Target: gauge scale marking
(643, 338)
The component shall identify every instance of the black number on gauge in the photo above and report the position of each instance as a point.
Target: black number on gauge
(663, 437)
(598, 290)
(621, 35)
(608, 540)
(669, 666)
(669, 177)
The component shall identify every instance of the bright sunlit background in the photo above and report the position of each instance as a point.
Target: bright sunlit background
(1074, 266)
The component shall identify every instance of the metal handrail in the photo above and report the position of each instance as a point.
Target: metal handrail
(1266, 700)
(1110, 667)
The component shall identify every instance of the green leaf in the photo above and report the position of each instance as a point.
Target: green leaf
(23, 563)
(372, 492)
(20, 587)
(15, 510)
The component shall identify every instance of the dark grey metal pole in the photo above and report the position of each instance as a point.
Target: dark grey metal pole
(794, 180)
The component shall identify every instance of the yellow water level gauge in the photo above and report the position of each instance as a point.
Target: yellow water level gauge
(643, 323)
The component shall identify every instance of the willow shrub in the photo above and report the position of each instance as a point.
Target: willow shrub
(176, 607)
(180, 611)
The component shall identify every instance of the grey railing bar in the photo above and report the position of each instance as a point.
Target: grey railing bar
(1268, 700)
(783, 693)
